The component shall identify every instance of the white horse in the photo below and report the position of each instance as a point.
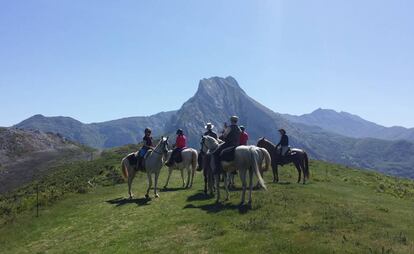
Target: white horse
(154, 160)
(190, 161)
(247, 159)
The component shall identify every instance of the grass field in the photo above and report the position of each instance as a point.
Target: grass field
(339, 211)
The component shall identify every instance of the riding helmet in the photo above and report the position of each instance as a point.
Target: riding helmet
(147, 130)
(180, 132)
(282, 131)
(234, 119)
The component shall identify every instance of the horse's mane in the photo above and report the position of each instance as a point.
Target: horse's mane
(267, 141)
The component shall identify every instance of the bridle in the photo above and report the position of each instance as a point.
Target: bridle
(165, 144)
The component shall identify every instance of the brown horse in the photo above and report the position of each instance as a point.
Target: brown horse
(298, 157)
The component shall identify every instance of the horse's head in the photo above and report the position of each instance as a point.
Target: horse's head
(203, 145)
(164, 145)
(261, 142)
(208, 143)
(266, 144)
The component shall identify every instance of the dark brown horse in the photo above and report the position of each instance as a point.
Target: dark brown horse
(298, 157)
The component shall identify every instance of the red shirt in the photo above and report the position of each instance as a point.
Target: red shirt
(243, 138)
(181, 141)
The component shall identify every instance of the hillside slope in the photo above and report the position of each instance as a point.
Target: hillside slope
(351, 125)
(26, 155)
(340, 211)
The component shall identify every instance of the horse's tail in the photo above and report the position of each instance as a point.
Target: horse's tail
(194, 160)
(306, 168)
(267, 158)
(124, 169)
(255, 161)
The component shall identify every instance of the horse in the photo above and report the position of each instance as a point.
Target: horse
(247, 159)
(189, 162)
(205, 165)
(298, 157)
(154, 160)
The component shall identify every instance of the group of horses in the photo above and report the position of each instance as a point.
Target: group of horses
(248, 160)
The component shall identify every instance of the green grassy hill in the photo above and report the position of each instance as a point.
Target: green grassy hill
(341, 210)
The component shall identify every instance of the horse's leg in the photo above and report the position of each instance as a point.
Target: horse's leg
(244, 184)
(205, 184)
(188, 178)
(156, 184)
(182, 176)
(302, 165)
(250, 186)
(226, 184)
(193, 170)
(168, 177)
(131, 175)
(275, 173)
(299, 172)
(210, 181)
(217, 180)
(149, 184)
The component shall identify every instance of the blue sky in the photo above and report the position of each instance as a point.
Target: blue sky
(101, 60)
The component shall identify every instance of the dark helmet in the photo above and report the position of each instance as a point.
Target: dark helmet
(179, 132)
(147, 130)
(242, 127)
(282, 131)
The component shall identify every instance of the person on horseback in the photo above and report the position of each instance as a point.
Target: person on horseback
(180, 144)
(244, 137)
(209, 127)
(283, 143)
(210, 132)
(147, 144)
(231, 138)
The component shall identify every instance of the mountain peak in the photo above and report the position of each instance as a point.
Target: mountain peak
(214, 84)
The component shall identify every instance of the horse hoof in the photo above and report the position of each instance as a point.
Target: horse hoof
(165, 187)
(157, 195)
(146, 196)
(241, 204)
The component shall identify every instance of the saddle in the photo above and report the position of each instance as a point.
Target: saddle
(178, 156)
(228, 154)
(132, 159)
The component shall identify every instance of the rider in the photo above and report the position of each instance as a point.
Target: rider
(147, 139)
(180, 144)
(244, 137)
(210, 132)
(284, 143)
(209, 127)
(231, 138)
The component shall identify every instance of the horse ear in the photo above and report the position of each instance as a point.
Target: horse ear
(168, 137)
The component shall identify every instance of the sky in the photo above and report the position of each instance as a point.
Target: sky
(101, 60)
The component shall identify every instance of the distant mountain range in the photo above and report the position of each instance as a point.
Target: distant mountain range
(99, 135)
(218, 98)
(351, 125)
